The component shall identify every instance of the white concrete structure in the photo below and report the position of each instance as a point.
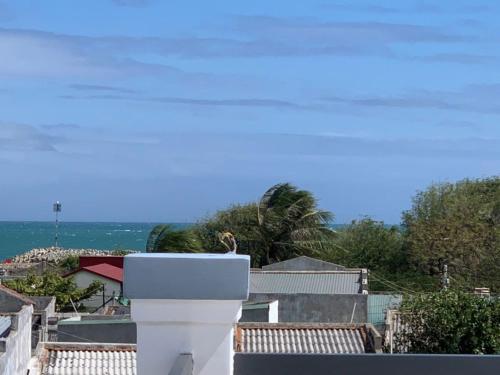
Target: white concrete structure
(186, 304)
(15, 349)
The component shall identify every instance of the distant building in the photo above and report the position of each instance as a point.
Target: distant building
(265, 311)
(313, 296)
(110, 275)
(303, 263)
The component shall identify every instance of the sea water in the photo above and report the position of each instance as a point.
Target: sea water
(18, 237)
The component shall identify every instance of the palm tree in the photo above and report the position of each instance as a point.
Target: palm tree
(165, 238)
(285, 223)
(290, 223)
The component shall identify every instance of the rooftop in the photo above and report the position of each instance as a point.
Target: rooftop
(303, 263)
(302, 338)
(88, 359)
(104, 270)
(311, 282)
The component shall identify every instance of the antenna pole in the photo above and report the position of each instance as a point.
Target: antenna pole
(57, 208)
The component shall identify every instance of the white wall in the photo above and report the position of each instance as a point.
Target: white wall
(273, 312)
(84, 278)
(16, 358)
(168, 328)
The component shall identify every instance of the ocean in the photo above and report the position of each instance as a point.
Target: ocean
(18, 237)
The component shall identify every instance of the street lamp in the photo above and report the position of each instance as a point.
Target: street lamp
(57, 208)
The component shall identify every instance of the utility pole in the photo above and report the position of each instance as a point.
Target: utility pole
(446, 279)
(57, 207)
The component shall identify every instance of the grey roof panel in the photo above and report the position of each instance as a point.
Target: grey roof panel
(334, 282)
(4, 325)
(300, 340)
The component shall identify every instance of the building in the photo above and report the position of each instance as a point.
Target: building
(43, 308)
(265, 311)
(303, 263)
(313, 296)
(302, 338)
(186, 325)
(109, 275)
(15, 341)
(379, 305)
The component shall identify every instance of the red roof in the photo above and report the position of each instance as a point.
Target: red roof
(105, 270)
(92, 260)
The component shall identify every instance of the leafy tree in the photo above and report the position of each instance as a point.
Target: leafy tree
(450, 322)
(165, 238)
(370, 244)
(285, 223)
(70, 263)
(52, 284)
(458, 225)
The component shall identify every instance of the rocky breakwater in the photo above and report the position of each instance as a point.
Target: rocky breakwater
(56, 254)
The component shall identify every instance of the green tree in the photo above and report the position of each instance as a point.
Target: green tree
(52, 284)
(450, 322)
(165, 238)
(457, 224)
(285, 223)
(369, 244)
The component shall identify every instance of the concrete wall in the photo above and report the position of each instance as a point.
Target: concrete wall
(83, 279)
(102, 331)
(318, 308)
(17, 346)
(365, 364)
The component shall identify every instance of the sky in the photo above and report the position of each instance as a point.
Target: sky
(166, 111)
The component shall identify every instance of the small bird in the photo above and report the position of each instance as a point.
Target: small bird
(229, 242)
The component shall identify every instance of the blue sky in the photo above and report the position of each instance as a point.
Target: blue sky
(137, 110)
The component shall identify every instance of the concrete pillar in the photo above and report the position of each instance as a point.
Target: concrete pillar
(186, 304)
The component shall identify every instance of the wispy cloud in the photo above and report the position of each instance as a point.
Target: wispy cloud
(101, 88)
(131, 3)
(21, 137)
(61, 126)
(458, 58)
(240, 102)
(251, 36)
(419, 7)
(478, 98)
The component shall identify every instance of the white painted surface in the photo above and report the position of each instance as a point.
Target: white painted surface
(16, 358)
(84, 278)
(273, 312)
(168, 328)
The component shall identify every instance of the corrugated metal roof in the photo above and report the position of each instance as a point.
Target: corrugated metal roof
(291, 282)
(378, 304)
(299, 338)
(74, 361)
(5, 322)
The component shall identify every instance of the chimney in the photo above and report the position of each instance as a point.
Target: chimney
(186, 305)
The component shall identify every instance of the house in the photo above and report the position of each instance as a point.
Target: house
(303, 338)
(303, 263)
(43, 308)
(109, 275)
(313, 296)
(15, 341)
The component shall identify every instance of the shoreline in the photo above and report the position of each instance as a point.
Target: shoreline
(57, 254)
